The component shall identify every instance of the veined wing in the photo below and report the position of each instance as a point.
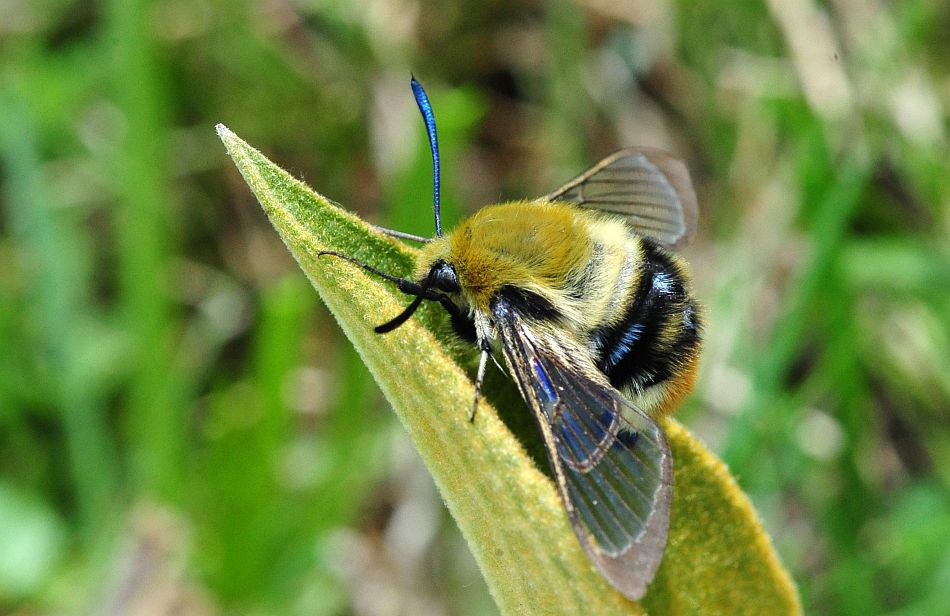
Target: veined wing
(612, 463)
(649, 188)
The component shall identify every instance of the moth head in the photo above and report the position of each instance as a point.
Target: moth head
(442, 276)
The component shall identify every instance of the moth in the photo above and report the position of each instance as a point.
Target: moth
(581, 292)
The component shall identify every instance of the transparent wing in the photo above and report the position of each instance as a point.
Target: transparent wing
(612, 463)
(649, 188)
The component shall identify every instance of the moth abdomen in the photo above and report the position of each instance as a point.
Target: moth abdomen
(657, 336)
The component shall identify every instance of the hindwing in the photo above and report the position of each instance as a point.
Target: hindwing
(649, 188)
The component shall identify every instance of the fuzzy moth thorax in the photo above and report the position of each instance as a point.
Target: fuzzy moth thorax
(523, 244)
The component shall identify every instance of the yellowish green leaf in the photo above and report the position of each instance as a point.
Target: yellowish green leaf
(719, 559)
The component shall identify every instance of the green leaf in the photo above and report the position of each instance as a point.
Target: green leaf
(719, 559)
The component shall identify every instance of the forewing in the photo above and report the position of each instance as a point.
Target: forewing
(612, 462)
(649, 188)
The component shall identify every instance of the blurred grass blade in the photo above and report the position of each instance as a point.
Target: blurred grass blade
(719, 560)
(145, 214)
(57, 265)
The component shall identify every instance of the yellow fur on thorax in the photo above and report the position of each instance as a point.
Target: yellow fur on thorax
(531, 245)
(607, 298)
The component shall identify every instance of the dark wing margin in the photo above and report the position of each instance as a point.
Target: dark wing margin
(648, 187)
(612, 463)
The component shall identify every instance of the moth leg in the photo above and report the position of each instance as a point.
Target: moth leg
(482, 364)
(403, 235)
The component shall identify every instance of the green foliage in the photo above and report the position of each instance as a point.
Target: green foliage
(719, 560)
(169, 381)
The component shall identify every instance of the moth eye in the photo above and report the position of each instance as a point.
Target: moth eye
(444, 277)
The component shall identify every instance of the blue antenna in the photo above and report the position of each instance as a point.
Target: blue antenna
(425, 108)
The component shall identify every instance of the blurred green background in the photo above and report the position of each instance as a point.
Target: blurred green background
(183, 428)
